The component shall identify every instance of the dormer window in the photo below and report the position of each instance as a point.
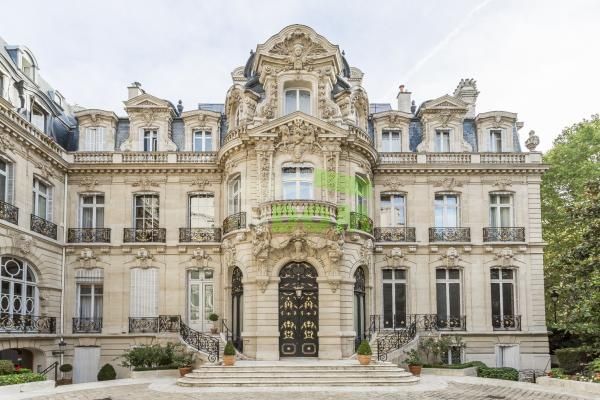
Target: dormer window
(38, 118)
(496, 141)
(28, 67)
(391, 141)
(150, 140)
(297, 100)
(442, 141)
(202, 141)
(94, 139)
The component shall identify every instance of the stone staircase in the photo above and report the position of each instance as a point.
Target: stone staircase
(298, 373)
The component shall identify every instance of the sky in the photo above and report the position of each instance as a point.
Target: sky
(537, 58)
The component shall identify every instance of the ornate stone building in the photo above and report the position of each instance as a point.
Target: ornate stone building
(301, 213)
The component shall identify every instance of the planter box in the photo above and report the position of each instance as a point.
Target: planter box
(470, 371)
(159, 373)
(574, 387)
(26, 387)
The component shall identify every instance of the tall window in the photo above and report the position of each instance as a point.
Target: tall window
(42, 199)
(394, 298)
(297, 182)
(448, 295)
(6, 181)
(501, 210)
(94, 139)
(146, 211)
(92, 211)
(18, 288)
(496, 140)
(392, 210)
(202, 210)
(143, 292)
(150, 140)
(202, 141)
(90, 298)
(442, 141)
(391, 141)
(447, 212)
(361, 187)
(297, 100)
(503, 295)
(235, 195)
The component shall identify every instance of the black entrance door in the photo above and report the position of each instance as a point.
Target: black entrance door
(298, 311)
(237, 293)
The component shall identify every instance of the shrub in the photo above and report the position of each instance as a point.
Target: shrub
(557, 373)
(477, 364)
(149, 356)
(23, 371)
(17, 379)
(182, 357)
(107, 373)
(213, 317)
(364, 349)
(159, 368)
(508, 374)
(595, 366)
(229, 349)
(413, 357)
(571, 359)
(66, 368)
(6, 367)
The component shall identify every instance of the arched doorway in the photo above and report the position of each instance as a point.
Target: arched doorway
(237, 295)
(359, 305)
(298, 311)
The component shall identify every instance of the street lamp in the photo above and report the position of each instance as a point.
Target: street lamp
(554, 298)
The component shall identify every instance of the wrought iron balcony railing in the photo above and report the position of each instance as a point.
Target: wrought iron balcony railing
(506, 322)
(395, 234)
(361, 222)
(234, 222)
(132, 235)
(87, 325)
(187, 235)
(9, 213)
(504, 234)
(449, 234)
(162, 323)
(44, 227)
(88, 235)
(451, 323)
(26, 324)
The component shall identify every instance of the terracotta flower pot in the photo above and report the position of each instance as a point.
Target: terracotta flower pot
(183, 371)
(364, 359)
(415, 369)
(228, 360)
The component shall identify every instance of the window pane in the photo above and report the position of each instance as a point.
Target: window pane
(453, 273)
(507, 273)
(440, 274)
(305, 190)
(305, 101)
(388, 310)
(400, 304)
(208, 142)
(440, 292)
(505, 217)
(496, 299)
(41, 207)
(507, 299)
(100, 217)
(400, 274)
(87, 214)
(290, 101)
(387, 274)
(494, 273)
(454, 299)
(3, 187)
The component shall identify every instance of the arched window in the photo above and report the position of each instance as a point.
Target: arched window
(18, 287)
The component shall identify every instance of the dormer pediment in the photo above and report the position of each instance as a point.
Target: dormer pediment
(443, 103)
(146, 101)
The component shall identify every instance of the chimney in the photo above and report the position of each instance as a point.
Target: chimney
(467, 92)
(403, 100)
(134, 90)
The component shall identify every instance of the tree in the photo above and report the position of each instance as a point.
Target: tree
(570, 223)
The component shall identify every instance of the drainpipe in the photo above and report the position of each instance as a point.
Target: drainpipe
(64, 253)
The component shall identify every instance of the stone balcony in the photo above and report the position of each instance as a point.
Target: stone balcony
(407, 158)
(298, 211)
(143, 157)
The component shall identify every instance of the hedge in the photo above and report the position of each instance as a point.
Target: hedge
(571, 359)
(477, 364)
(6, 367)
(508, 374)
(17, 379)
(158, 368)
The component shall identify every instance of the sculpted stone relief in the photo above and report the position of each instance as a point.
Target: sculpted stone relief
(298, 49)
(297, 137)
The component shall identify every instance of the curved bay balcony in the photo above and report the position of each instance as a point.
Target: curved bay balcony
(395, 234)
(450, 234)
(17, 323)
(504, 234)
(298, 212)
(187, 235)
(43, 226)
(360, 222)
(9, 213)
(88, 235)
(234, 222)
(133, 235)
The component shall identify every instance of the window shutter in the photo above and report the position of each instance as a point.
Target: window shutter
(10, 183)
(144, 288)
(50, 208)
(100, 139)
(88, 140)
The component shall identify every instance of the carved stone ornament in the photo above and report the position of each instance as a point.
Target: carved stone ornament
(23, 242)
(297, 137)
(505, 256)
(366, 252)
(200, 183)
(503, 183)
(532, 141)
(334, 283)
(5, 143)
(145, 183)
(261, 242)
(393, 183)
(395, 257)
(144, 258)
(45, 170)
(88, 183)
(298, 49)
(451, 257)
(262, 282)
(229, 253)
(448, 183)
(201, 257)
(87, 259)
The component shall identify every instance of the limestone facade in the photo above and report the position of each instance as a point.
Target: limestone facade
(156, 210)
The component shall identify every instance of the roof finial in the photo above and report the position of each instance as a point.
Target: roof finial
(343, 53)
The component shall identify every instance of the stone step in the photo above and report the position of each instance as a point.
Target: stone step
(239, 370)
(307, 375)
(273, 383)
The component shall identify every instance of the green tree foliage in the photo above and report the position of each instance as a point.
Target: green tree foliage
(571, 222)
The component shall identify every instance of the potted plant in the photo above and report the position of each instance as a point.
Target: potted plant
(213, 318)
(229, 354)
(364, 353)
(414, 362)
(184, 360)
(66, 372)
